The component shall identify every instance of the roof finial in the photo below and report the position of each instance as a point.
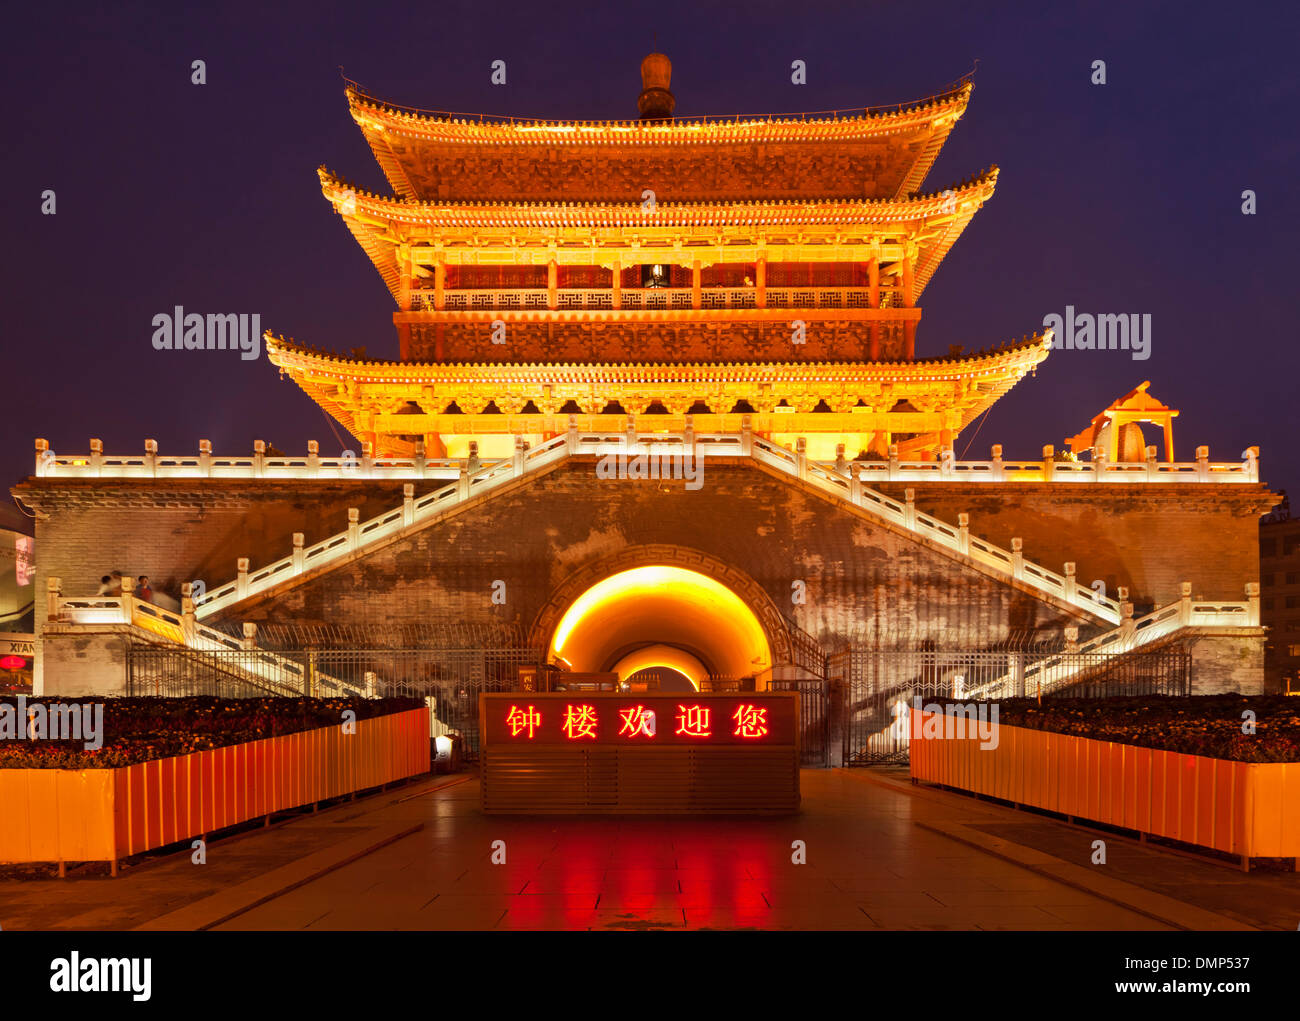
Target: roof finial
(656, 102)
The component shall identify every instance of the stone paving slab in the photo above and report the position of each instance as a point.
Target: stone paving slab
(881, 854)
(1060, 851)
(217, 907)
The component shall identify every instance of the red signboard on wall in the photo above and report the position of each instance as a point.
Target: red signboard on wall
(581, 752)
(639, 720)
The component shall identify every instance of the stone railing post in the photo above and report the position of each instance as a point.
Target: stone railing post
(151, 457)
(299, 557)
(1072, 638)
(999, 473)
(571, 438)
(1252, 603)
(1018, 674)
(1185, 603)
(1152, 473)
(893, 461)
(259, 458)
(801, 457)
(313, 458)
(855, 484)
(128, 599)
(1127, 627)
(1203, 464)
(367, 460)
(205, 458)
(472, 463)
(96, 456)
(53, 597)
(408, 502)
(249, 641)
(1071, 582)
(629, 433)
(517, 459)
(421, 459)
(189, 624)
(1049, 463)
(241, 577)
(354, 528)
(746, 436)
(1017, 558)
(688, 437)
(840, 463)
(909, 508)
(963, 533)
(43, 463)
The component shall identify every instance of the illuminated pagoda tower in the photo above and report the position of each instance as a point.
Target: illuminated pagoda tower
(616, 272)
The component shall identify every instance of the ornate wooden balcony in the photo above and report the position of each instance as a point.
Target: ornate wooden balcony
(651, 299)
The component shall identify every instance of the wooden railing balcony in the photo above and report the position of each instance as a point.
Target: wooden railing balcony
(650, 298)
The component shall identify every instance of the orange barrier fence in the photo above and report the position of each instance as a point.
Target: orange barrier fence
(1249, 809)
(58, 815)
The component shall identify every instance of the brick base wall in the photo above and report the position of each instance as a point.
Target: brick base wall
(855, 572)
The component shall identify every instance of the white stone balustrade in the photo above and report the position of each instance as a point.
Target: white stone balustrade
(473, 479)
(259, 465)
(267, 670)
(1055, 671)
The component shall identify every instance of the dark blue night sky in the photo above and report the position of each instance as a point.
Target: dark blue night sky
(1119, 198)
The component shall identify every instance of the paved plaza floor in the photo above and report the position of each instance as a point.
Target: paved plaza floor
(880, 854)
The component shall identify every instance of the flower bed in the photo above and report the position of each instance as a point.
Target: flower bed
(1208, 725)
(1250, 809)
(107, 811)
(143, 729)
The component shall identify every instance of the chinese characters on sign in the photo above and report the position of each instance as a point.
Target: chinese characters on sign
(693, 721)
(637, 720)
(519, 720)
(610, 720)
(751, 721)
(579, 722)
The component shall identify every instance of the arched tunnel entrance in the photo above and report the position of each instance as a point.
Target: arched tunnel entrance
(679, 620)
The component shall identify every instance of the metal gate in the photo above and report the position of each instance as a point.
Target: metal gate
(875, 687)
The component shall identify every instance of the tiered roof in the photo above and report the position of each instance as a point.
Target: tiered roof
(587, 232)
(964, 386)
(880, 153)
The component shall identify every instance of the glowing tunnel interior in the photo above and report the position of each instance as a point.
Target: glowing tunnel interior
(662, 656)
(662, 616)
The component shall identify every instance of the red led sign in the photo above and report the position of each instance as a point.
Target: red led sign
(525, 717)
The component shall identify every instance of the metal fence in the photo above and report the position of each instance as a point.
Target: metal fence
(872, 688)
(814, 720)
(450, 679)
(855, 712)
